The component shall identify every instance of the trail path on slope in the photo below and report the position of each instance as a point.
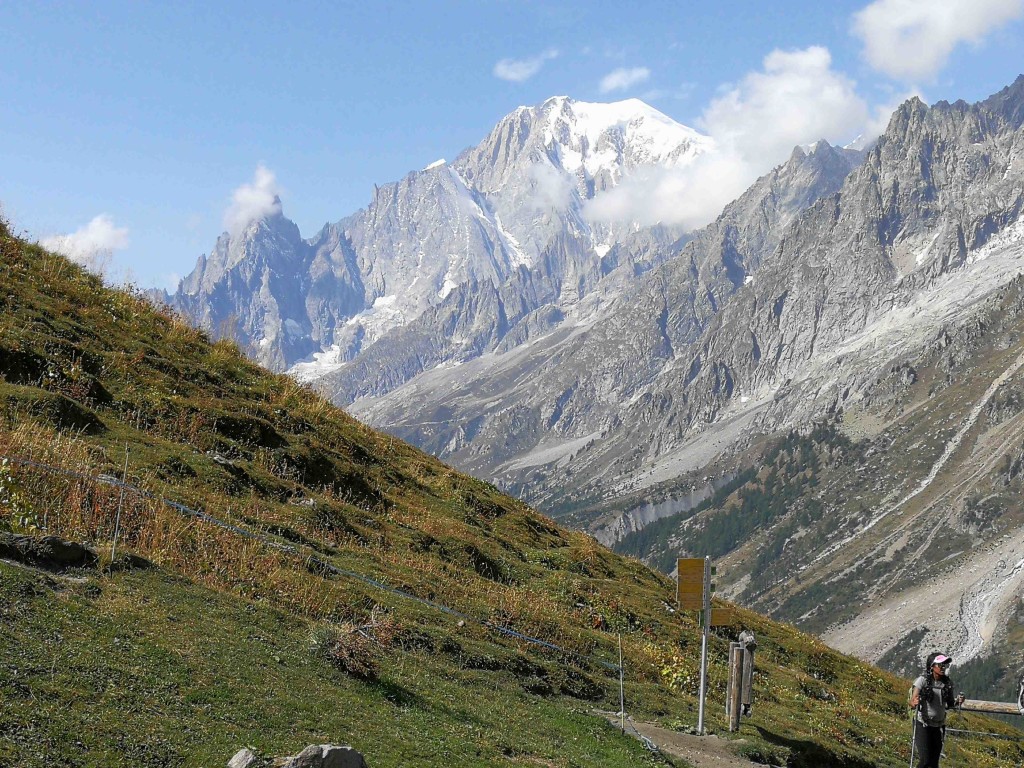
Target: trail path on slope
(698, 751)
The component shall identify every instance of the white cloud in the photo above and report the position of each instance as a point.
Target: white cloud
(520, 70)
(252, 201)
(689, 197)
(908, 39)
(551, 189)
(796, 99)
(91, 244)
(623, 78)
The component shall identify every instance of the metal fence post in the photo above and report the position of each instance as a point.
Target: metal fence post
(120, 503)
(706, 616)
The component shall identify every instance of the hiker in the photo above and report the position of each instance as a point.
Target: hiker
(931, 696)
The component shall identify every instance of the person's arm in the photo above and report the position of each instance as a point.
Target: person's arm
(958, 699)
(915, 698)
(952, 699)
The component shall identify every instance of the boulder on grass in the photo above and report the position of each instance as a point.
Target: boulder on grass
(246, 758)
(326, 756)
(313, 756)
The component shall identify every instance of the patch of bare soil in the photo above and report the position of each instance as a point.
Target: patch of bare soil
(698, 751)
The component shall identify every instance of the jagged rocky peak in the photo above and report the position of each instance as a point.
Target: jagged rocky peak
(1009, 102)
(266, 240)
(820, 150)
(592, 141)
(816, 161)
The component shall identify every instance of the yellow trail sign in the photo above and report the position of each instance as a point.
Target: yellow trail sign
(690, 583)
(722, 616)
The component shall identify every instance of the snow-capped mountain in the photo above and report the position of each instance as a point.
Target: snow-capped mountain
(883, 299)
(509, 212)
(617, 374)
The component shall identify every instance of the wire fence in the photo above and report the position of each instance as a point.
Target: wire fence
(954, 751)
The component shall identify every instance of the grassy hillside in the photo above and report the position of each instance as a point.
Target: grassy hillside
(333, 627)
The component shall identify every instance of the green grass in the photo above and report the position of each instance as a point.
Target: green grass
(144, 669)
(210, 650)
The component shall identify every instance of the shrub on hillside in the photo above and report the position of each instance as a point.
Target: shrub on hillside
(353, 648)
(346, 647)
(18, 511)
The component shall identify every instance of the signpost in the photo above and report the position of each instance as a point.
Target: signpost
(690, 583)
(693, 593)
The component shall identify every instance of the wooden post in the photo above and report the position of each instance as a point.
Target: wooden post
(735, 684)
(748, 644)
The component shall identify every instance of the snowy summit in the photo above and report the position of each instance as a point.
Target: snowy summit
(623, 134)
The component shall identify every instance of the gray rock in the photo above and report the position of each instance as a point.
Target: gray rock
(245, 758)
(313, 756)
(326, 756)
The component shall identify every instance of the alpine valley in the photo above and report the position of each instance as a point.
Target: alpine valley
(822, 389)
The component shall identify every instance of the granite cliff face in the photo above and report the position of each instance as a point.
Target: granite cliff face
(599, 372)
(493, 244)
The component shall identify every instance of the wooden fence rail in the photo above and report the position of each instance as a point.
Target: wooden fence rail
(991, 707)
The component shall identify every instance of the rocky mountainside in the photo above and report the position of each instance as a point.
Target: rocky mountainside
(888, 303)
(554, 440)
(493, 245)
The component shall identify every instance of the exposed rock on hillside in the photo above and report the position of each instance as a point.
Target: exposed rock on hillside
(313, 756)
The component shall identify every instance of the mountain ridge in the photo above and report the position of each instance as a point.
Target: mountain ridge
(451, 224)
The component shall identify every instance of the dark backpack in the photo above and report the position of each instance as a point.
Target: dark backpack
(948, 699)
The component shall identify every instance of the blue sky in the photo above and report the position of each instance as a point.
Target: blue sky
(130, 126)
